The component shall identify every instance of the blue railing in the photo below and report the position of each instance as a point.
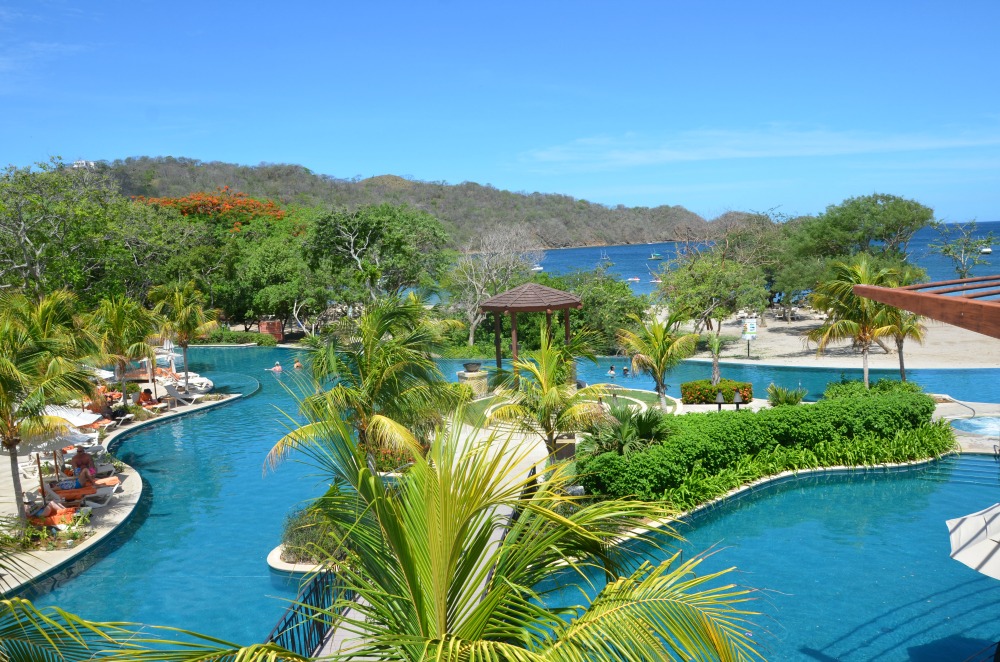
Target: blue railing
(306, 623)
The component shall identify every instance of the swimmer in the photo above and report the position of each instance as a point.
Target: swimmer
(277, 367)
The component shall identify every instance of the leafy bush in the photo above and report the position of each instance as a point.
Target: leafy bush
(228, 337)
(715, 443)
(701, 392)
(307, 537)
(780, 395)
(853, 388)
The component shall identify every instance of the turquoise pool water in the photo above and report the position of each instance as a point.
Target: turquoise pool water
(856, 568)
(194, 555)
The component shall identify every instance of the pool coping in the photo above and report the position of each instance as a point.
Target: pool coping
(33, 567)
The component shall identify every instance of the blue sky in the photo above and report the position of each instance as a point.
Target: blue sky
(714, 106)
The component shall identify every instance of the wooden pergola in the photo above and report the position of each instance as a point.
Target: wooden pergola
(964, 302)
(527, 298)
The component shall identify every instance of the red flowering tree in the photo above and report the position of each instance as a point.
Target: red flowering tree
(225, 207)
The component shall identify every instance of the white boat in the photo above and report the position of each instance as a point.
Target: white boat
(656, 280)
(538, 267)
(633, 279)
(986, 250)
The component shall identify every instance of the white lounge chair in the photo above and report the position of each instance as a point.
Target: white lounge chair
(188, 399)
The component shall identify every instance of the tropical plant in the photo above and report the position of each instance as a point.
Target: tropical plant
(625, 430)
(903, 324)
(42, 347)
(462, 562)
(183, 316)
(783, 395)
(850, 316)
(123, 327)
(382, 377)
(656, 348)
(538, 397)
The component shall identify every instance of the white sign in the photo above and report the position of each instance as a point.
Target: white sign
(750, 330)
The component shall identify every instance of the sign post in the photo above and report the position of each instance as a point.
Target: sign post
(749, 333)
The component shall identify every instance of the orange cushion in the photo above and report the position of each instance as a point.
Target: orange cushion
(107, 482)
(65, 517)
(76, 494)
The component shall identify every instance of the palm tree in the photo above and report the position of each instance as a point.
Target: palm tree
(904, 325)
(848, 315)
(442, 569)
(539, 399)
(123, 328)
(384, 377)
(184, 316)
(41, 352)
(656, 348)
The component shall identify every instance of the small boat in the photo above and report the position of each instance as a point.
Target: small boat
(538, 267)
(633, 279)
(986, 250)
(605, 260)
(655, 256)
(656, 280)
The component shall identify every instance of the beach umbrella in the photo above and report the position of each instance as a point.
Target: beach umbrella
(975, 540)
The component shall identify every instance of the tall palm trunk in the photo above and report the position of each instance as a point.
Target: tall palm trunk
(864, 362)
(902, 365)
(662, 392)
(15, 472)
(184, 351)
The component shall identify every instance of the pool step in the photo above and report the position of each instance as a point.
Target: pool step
(975, 470)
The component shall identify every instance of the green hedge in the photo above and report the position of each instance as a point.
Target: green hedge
(227, 337)
(717, 441)
(702, 392)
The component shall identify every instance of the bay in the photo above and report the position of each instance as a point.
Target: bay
(632, 261)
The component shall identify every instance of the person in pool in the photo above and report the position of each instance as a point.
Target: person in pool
(298, 365)
(277, 367)
(611, 372)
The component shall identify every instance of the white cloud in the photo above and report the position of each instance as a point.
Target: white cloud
(605, 153)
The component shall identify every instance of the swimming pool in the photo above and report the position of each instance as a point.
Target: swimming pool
(194, 554)
(988, 426)
(856, 567)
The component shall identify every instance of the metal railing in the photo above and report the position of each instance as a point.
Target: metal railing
(305, 624)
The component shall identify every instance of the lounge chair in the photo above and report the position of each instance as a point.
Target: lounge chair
(188, 399)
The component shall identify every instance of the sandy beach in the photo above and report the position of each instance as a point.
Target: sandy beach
(784, 343)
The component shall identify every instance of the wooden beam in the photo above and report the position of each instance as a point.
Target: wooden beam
(979, 316)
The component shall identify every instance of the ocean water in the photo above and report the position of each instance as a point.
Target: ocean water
(632, 261)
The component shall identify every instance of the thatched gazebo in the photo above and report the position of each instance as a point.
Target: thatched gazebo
(528, 298)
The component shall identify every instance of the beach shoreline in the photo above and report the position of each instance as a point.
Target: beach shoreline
(784, 343)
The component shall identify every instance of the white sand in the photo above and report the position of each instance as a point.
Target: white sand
(784, 343)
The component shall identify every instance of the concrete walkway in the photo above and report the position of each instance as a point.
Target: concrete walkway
(103, 521)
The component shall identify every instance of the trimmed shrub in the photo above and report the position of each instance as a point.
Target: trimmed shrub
(718, 441)
(701, 392)
(778, 396)
(227, 337)
(853, 388)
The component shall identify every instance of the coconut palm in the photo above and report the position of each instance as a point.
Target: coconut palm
(123, 327)
(442, 570)
(539, 398)
(42, 348)
(656, 348)
(383, 377)
(850, 316)
(184, 316)
(904, 325)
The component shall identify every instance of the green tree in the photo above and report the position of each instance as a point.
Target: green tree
(52, 226)
(960, 243)
(383, 377)
(850, 316)
(443, 573)
(711, 287)
(904, 325)
(122, 327)
(183, 316)
(867, 224)
(379, 249)
(656, 348)
(42, 347)
(538, 397)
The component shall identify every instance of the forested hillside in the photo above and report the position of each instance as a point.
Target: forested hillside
(464, 209)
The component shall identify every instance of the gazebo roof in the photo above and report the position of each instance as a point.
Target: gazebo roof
(956, 302)
(530, 298)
